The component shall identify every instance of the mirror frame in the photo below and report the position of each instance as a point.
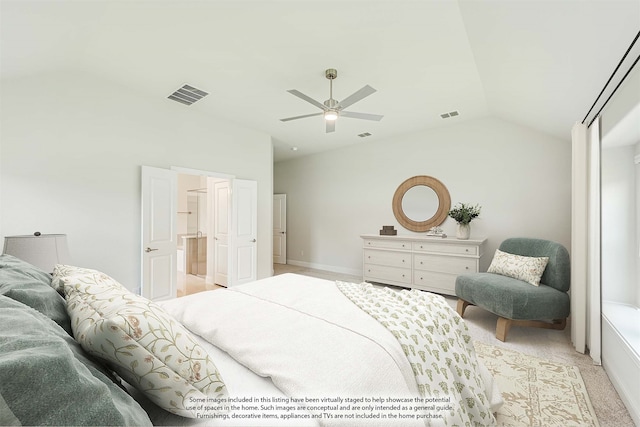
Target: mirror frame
(444, 203)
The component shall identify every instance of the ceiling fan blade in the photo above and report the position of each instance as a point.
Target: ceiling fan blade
(355, 97)
(331, 126)
(365, 116)
(307, 98)
(301, 117)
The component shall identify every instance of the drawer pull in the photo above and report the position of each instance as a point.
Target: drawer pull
(466, 268)
(467, 250)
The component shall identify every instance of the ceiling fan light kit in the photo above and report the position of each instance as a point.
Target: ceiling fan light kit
(330, 115)
(331, 108)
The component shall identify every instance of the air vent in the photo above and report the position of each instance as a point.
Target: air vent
(364, 135)
(187, 95)
(449, 114)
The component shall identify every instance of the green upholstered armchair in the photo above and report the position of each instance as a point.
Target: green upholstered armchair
(517, 302)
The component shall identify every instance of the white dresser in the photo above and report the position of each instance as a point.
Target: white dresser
(427, 263)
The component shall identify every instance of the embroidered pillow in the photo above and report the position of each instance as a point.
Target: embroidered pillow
(527, 269)
(140, 341)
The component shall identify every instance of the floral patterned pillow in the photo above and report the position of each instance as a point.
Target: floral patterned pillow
(525, 268)
(141, 342)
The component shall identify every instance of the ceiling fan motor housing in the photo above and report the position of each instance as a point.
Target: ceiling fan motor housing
(330, 103)
(331, 73)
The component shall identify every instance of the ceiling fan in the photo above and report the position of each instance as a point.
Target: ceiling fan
(331, 108)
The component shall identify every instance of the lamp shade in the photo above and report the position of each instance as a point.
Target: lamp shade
(42, 250)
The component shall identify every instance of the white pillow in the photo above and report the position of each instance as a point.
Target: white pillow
(140, 341)
(525, 268)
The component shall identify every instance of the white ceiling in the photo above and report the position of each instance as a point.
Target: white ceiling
(536, 63)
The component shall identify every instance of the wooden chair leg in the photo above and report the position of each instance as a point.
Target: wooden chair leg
(502, 328)
(462, 305)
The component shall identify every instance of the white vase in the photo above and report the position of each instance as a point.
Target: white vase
(463, 231)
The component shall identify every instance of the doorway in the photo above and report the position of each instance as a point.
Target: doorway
(198, 253)
(279, 228)
(233, 212)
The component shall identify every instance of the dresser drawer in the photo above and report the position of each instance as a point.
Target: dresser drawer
(441, 283)
(385, 274)
(387, 244)
(445, 264)
(390, 258)
(444, 248)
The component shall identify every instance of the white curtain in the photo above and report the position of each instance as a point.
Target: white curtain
(579, 235)
(594, 305)
(585, 240)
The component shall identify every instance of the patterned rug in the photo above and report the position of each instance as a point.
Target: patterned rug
(537, 392)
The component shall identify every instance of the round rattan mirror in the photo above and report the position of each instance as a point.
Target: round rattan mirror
(435, 213)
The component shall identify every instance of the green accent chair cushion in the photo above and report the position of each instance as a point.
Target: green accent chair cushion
(512, 298)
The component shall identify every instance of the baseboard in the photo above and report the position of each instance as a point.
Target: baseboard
(331, 268)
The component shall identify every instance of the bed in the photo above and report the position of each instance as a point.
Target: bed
(286, 350)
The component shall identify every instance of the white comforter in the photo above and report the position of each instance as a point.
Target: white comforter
(309, 338)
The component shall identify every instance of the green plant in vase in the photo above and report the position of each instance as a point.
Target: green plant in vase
(463, 214)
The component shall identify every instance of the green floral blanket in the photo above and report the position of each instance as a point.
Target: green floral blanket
(437, 343)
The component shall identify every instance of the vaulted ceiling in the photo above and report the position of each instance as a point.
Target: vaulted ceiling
(536, 63)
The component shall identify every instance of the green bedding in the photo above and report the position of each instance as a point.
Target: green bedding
(46, 378)
(29, 285)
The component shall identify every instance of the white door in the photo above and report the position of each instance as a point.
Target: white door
(280, 228)
(222, 227)
(159, 204)
(244, 198)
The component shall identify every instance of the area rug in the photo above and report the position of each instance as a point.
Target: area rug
(537, 392)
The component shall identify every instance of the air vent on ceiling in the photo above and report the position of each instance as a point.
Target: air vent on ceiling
(364, 135)
(187, 95)
(449, 114)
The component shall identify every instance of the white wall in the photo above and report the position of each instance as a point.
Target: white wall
(619, 249)
(520, 177)
(72, 146)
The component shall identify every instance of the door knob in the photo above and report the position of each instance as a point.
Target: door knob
(253, 241)
(149, 250)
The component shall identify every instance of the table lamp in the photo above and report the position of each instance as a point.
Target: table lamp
(42, 250)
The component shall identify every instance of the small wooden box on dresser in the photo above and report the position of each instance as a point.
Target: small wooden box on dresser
(426, 263)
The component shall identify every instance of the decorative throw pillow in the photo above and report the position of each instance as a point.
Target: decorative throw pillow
(525, 268)
(140, 341)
